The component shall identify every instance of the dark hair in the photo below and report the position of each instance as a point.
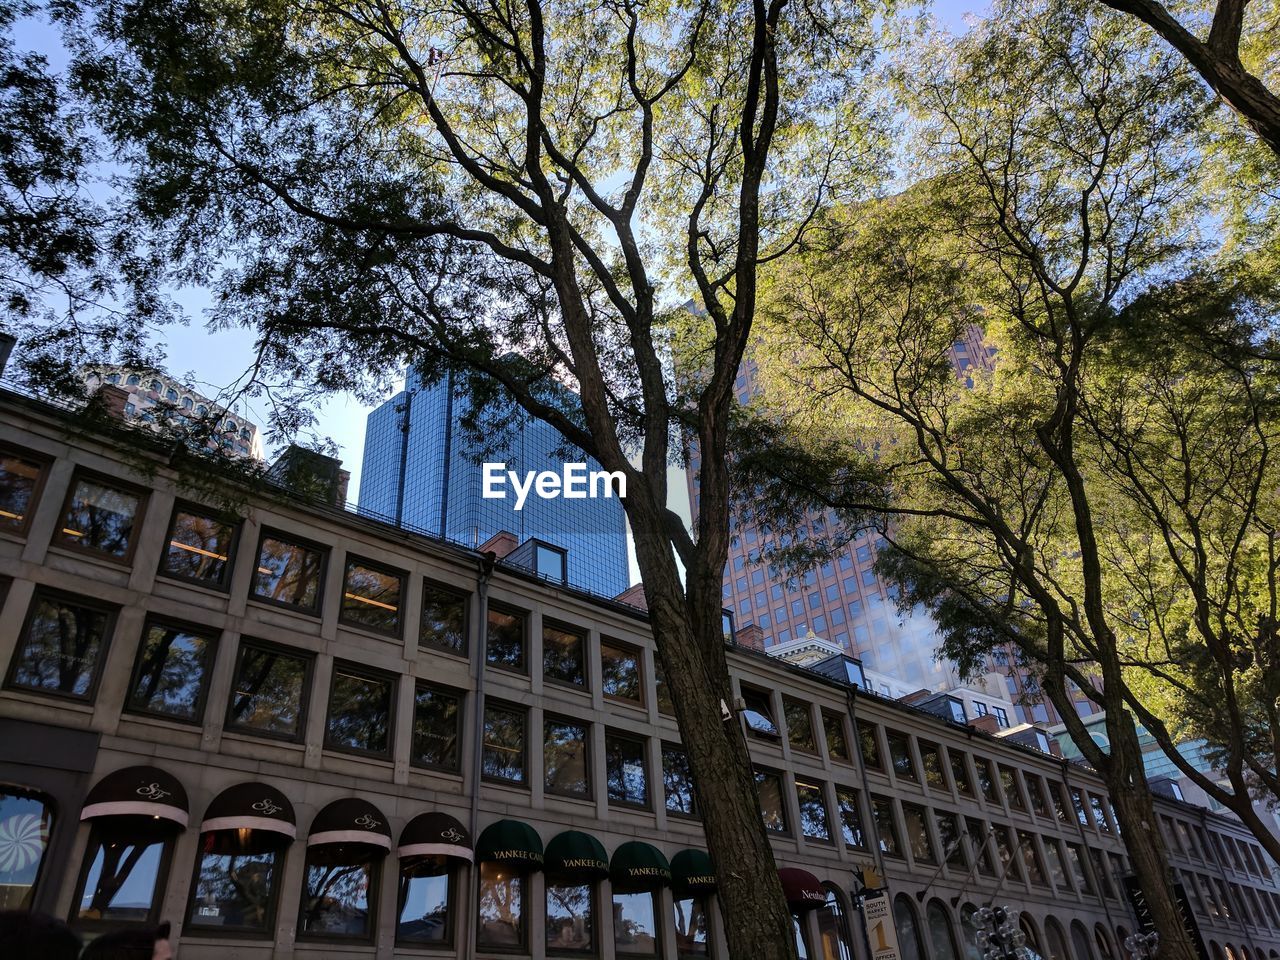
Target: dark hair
(136, 944)
(36, 936)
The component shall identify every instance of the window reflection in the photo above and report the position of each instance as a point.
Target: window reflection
(570, 926)
(677, 781)
(199, 548)
(172, 667)
(693, 927)
(338, 891)
(436, 721)
(267, 694)
(620, 672)
(444, 619)
(371, 597)
(18, 480)
(564, 757)
(120, 885)
(503, 755)
(61, 647)
(625, 765)
(26, 822)
(635, 932)
(359, 712)
(772, 808)
(813, 811)
(288, 573)
(100, 518)
(505, 647)
(234, 891)
(834, 942)
(562, 655)
(501, 907)
(425, 902)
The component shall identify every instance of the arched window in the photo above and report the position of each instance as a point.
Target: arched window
(942, 938)
(345, 849)
(26, 823)
(1103, 940)
(1080, 940)
(187, 403)
(834, 941)
(171, 395)
(969, 931)
(1034, 944)
(155, 386)
(802, 943)
(433, 849)
(113, 378)
(1056, 941)
(132, 380)
(244, 433)
(904, 918)
(1230, 952)
(202, 410)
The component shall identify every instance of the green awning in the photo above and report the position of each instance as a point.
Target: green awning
(511, 842)
(638, 865)
(576, 854)
(692, 873)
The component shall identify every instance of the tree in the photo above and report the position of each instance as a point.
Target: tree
(1217, 57)
(1060, 157)
(498, 190)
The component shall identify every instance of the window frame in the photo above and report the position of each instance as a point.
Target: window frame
(454, 886)
(694, 814)
(267, 933)
(304, 704)
(832, 716)
(562, 626)
(523, 711)
(552, 880)
(587, 758)
(365, 673)
(353, 559)
(524, 946)
(322, 579)
(459, 723)
(111, 614)
(806, 706)
(99, 831)
(195, 509)
(526, 631)
(460, 593)
(641, 701)
(44, 463)
(215, 641)
(373, 897)
(820, 788)
(142, 493)
(612, 733)
(788, 830)
(777, 735)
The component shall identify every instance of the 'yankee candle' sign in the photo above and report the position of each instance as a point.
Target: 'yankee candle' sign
(881, 933)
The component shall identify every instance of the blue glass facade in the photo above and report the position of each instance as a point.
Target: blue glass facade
(422, 470)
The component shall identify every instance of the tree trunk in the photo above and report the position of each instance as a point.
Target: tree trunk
(758, 923)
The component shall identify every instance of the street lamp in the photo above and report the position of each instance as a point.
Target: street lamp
(1142, 946)
(998, 935)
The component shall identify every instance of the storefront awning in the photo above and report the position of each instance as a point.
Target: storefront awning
(138, 792)
(350, 820)
(803, 890)
(692, 873)
(251, 806)
(637, 865)
(511, 842)
(575, 854)
(434, 834)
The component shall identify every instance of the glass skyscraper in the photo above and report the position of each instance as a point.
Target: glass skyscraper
(422, 470)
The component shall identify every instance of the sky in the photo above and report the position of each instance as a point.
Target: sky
(213, 360)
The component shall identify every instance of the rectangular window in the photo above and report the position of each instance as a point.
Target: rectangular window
(268, 695)
(101, 517)
(987, 780)
(501, 923)
(1100, 812)
(773, 808)
(1031, 857)
(813, 812)
(289, 573)
(758, 712)
(799, 719)
(950, 841)
(931, 760)
(662, 692)
(1057, 865)
(1009, 780)
(870, 747)
(62, 648)
(635, 927)
(444, 618)
(233, 890)
(1006, 847)
(904, 767)
(620, 672)
(850, 817)
(1060, 807)
(503, 754)
(563, 654)
(837, 745)
(886, 826)
(570, 926)
(359, 711)
(978, 843)
(198, 548)
(960, 773)
(1077, 801)
(693, 927)
(437, 727)
(124, 873)
(1035, 790)
(171, 676)
(627, 770)
(338, 894)
(505, 639)
(917, 823)
(677, 781)
(21, 478)
(1002, 718)
(1075, 857)
(564, 757)
(371, 597)
(1103, 872)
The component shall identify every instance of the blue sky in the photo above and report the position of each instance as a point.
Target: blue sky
(213, 360)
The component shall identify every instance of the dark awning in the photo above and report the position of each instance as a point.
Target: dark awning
(511, 842)
(692, 873)
(803, 890)
(350, 820)
(138, 792)
(639, 866)
(577, 854)
(436, 834)
(250, 806)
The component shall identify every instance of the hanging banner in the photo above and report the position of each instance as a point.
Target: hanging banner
(1138, 901)
(881, 933)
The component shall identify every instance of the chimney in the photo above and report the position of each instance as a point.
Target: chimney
(500, 544)
(113, 399)
(309, 474)
(986, 724)
(751, 637)
(634, 596)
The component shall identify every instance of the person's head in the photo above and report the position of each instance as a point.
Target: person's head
(144, 943)
(36, 936)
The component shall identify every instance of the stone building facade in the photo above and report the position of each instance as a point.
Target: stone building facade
(297, 733)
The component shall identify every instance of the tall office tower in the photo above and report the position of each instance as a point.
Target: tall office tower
(421, 470)
(845, 600)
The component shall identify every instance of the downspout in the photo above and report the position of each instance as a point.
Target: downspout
(478, 646)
